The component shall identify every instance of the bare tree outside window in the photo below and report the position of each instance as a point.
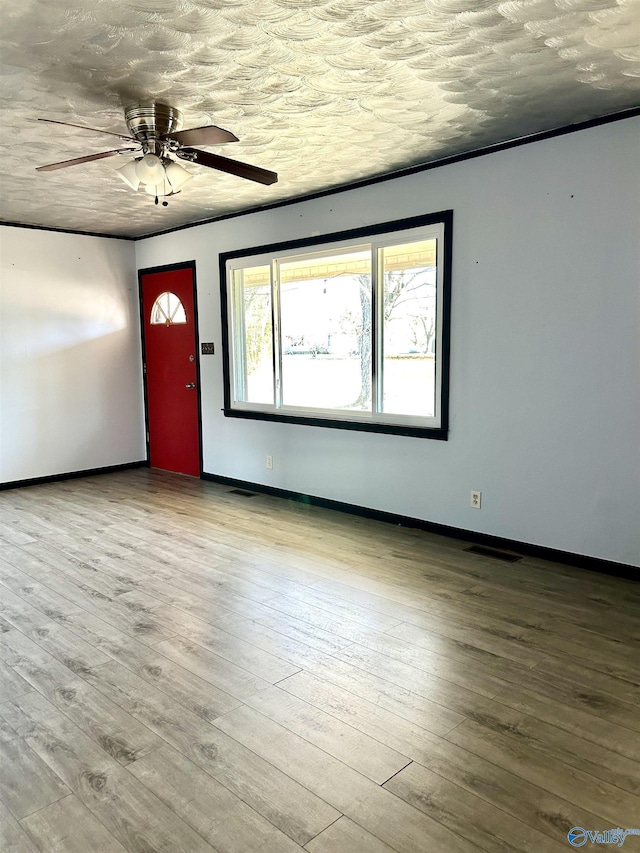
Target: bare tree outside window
(403, 292)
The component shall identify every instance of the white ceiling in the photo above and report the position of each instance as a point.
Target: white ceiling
(324, 92)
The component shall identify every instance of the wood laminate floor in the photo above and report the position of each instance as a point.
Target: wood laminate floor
(184, 669)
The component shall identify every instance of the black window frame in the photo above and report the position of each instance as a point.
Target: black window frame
(310, 243)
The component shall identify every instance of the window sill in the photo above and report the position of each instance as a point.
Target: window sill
(437, 433)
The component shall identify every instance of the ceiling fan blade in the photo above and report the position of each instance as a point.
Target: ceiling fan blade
(84, 127)
(233, 167)
(210, 135)
(76, 161)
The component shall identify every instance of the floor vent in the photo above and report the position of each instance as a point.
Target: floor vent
(242, 493)
(491, 552)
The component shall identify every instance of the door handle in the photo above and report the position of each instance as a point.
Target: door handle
(190, 385)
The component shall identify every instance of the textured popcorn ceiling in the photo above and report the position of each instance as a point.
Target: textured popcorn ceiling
(324, 92)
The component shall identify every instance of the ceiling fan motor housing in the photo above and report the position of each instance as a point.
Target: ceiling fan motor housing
(150, 122)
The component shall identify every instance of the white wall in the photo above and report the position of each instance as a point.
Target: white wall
(70, 376)
(544, 364)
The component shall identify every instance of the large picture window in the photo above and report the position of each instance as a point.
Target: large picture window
(350, 330)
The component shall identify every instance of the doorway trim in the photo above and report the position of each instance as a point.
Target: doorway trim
(183, 265)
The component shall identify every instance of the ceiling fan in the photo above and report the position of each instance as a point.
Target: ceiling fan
(155, 130)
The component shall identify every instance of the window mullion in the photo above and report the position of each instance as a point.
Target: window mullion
(376, 333)
(275, 327)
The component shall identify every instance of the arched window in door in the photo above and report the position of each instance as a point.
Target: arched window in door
(167, 310)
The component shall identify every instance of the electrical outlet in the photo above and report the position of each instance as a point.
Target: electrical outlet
(476, 499)
(269, 462)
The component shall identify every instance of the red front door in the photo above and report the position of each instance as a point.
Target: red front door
(170, 345)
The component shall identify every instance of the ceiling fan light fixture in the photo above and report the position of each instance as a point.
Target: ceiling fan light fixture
(150, 169)
(129, 175)
(158, 190)
(176, 175)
